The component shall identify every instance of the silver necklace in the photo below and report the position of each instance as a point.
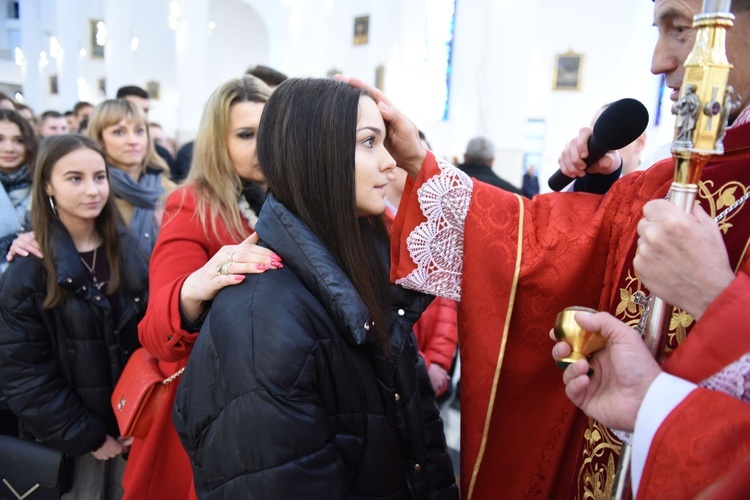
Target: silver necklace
(92, 270)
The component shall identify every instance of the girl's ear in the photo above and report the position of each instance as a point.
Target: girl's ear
(48, 189)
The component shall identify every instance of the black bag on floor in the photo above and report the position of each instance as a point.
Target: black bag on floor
(31, 470)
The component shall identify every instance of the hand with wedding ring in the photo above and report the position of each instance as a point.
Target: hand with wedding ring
(227, 267)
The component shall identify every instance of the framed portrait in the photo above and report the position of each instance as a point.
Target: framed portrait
(361, 30)
(380, 77)
(96, 39)
(53, 85)
(568, 71)
(153, 89)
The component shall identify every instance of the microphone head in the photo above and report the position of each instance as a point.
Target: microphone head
(621, 123)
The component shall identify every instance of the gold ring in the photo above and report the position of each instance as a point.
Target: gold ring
(218, 269)
(231, 256)
(224, 269)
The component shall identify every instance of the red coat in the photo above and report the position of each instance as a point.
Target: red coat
(158, 467)
(703, 446)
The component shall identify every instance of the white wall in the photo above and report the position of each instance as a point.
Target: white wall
(503, 59)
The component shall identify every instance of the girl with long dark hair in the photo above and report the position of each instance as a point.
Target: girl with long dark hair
(306, 382)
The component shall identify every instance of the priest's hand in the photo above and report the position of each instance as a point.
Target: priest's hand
(402, 137)
(622, 373)
(681, 257)
(572, 159)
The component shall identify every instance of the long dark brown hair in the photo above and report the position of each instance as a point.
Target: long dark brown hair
(46, 223)
(306, 147)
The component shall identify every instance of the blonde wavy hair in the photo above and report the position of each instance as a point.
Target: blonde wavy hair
(212, 174)
(113, 111)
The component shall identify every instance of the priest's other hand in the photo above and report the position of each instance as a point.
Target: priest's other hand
(402, 137)
(681, 257)
(572, 159)
(622, 373)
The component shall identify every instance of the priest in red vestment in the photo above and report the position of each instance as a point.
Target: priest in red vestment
(514, 263)
(687, 441)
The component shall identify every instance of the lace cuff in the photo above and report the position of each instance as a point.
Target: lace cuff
(733, 380)
(437, 245)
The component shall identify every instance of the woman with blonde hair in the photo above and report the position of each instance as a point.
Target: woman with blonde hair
(206, 243)
(139, 176)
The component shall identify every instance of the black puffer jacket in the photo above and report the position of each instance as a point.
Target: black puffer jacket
(286, 396)
(58, 366)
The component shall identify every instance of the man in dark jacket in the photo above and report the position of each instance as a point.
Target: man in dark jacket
(478, 160)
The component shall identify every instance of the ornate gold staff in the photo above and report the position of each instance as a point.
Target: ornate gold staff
(702, 112)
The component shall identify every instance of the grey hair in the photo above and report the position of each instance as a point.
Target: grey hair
(480, 150)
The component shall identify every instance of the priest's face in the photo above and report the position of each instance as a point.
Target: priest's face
(674, 20)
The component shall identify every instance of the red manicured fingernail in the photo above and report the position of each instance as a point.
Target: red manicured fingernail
(262, 267)
(276, 264)
(239, 277)
(276, 257)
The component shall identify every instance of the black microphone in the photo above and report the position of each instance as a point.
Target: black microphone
(620, 124)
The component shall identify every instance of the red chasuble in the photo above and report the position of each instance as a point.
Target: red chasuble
(514, 264)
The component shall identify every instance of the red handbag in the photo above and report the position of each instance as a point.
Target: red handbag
(139, 394)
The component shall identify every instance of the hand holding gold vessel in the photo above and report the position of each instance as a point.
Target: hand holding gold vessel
(583, 343)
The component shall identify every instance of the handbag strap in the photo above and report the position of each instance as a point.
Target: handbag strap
(172, 378)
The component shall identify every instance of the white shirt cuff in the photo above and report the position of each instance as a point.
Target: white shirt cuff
(664, 395)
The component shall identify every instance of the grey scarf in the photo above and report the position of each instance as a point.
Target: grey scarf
(145, 195)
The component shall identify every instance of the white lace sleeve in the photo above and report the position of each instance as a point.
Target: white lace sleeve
(437, 245)
(733, 380)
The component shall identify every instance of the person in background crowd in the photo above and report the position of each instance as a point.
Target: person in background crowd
(6, 102)
(68, 322)
(478, 161)
(81, 112)
(140, 97)
(159, 138)
(52, 123)
(340, 405)
(27, 113)
(139, 179)
(207, 221)
(530, 184)
(269, 76)
(18, 147)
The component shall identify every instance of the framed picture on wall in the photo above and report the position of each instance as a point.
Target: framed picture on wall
(361, 30)
(568, 71)
(97, 38)
(53, 85)
(154, 89)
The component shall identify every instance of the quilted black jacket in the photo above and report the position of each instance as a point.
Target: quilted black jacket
(286, 395)
(58, 366)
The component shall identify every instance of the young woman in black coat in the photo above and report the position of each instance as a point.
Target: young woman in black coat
(306, 382)
(68, 322)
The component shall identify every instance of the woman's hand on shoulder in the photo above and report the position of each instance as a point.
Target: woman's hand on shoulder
(24, 245)
(227, 267)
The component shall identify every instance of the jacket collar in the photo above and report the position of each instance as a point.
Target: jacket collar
(305, 255)
(72, 276)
